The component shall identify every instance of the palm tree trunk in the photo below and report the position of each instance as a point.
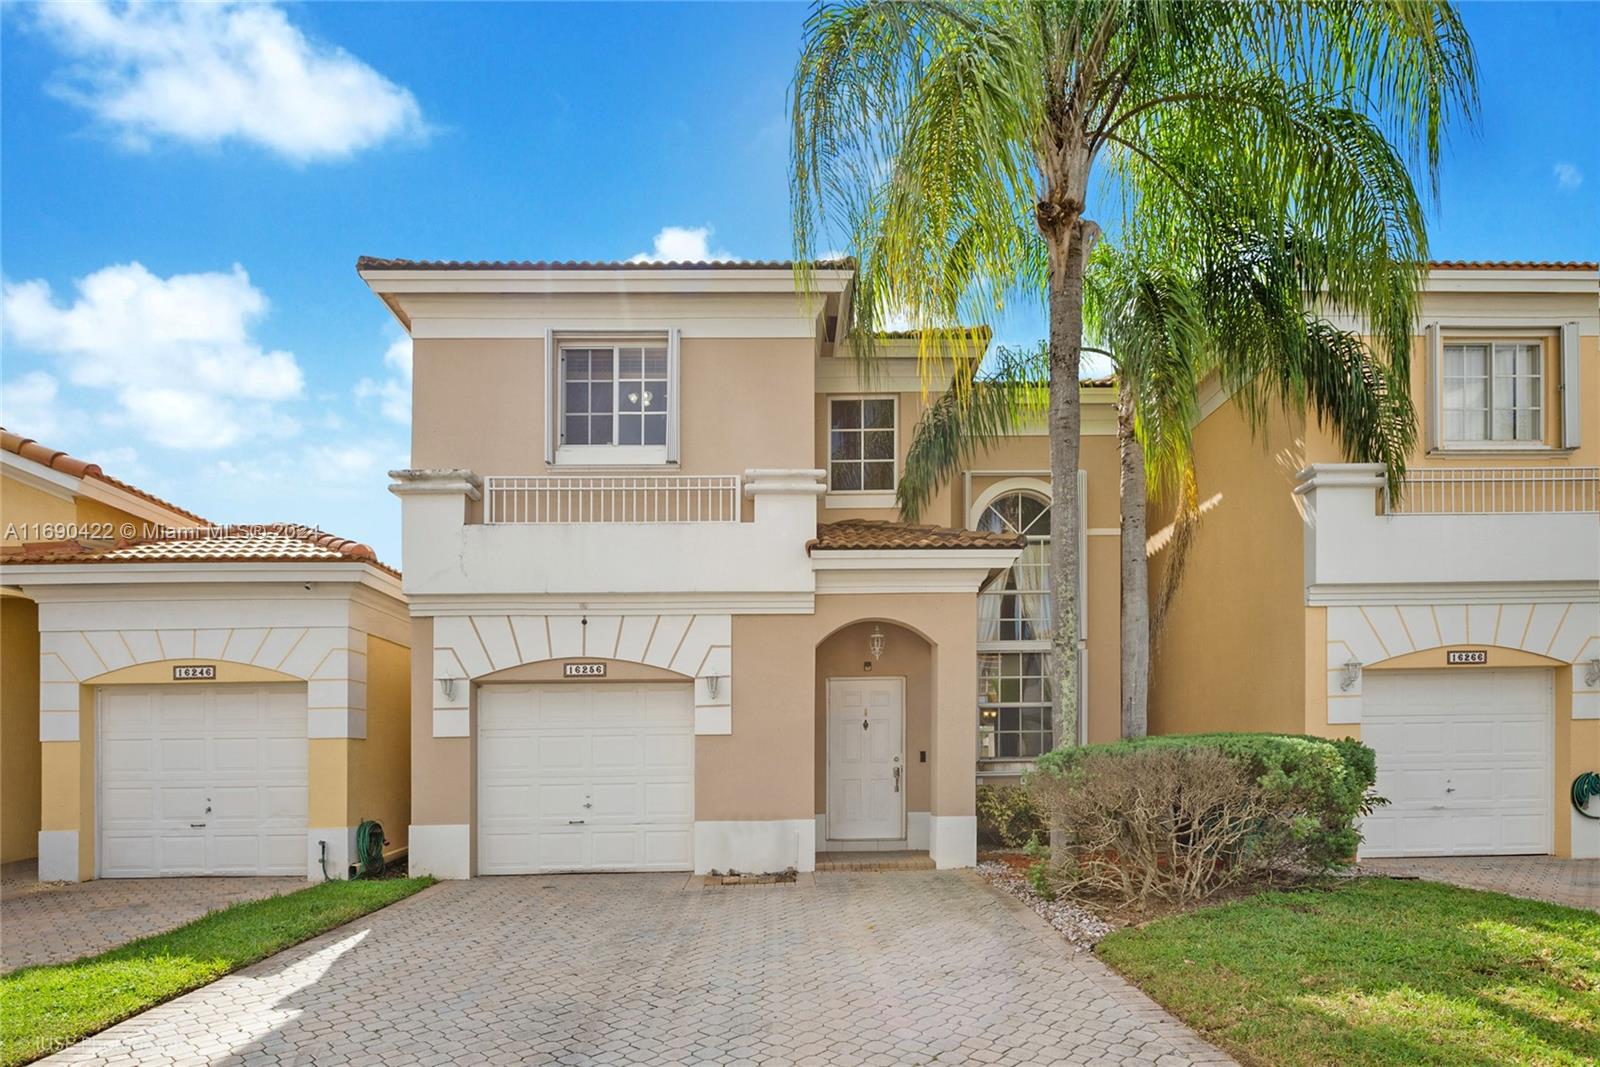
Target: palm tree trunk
(1069, 246)
(1135, 570)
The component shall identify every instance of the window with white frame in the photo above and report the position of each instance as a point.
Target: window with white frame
(1014, 627)
(1493, 392)
(614, 401)
(861, 439)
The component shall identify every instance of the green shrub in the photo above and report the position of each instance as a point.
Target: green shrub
(1008, 816)
(1203, 808)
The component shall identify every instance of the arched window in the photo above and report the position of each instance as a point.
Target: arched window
(1014, 622)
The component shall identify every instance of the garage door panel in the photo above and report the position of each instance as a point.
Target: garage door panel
(604, 769)
(669, 752)
(166, 755)
(561, 755)
(1465, 759)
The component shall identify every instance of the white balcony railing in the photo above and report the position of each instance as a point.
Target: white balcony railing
(611, 499)
(1498, 491)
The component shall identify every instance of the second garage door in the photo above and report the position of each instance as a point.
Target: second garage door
(202, 780)
(585, 778)
(1465, 758)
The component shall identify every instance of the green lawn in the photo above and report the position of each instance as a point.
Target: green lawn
(1378, 972)
(44, 1009)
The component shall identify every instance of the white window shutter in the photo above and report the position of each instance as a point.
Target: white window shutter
(552, 407)
(1435, 384)
(1571, 390)
(674, 394)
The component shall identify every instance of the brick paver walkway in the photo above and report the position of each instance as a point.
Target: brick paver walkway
(1575, 883)
(52, 922)
(847, 968)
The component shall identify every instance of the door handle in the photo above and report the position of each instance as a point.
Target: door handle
(197, 826)
(897, 772)
(574, 822)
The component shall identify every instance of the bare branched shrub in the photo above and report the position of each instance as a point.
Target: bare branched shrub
(1173, 824)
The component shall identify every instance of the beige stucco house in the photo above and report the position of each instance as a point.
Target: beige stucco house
(649, 536)
(184, 699)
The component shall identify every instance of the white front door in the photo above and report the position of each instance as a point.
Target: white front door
(201, 780)
(575, 777)
(866, 759)
(1465, 760)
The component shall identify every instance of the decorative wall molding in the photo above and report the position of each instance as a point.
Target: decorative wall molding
(468, 647)
(1369, 634)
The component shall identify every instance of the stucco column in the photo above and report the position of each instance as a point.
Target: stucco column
(66, 764)
(953, 836)
(436, 504)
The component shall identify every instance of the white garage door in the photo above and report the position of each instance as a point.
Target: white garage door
(202, 780)
(1465, 758)
(585, 778)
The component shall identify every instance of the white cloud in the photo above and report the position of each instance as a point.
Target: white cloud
(1568, 176)
(176, 353)
(212, 72)
(28, 405)
(681, 244)
(393, 393)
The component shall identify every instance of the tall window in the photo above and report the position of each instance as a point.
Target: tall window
(861, 444)
(1493, 392)
(1014, 624)
(614, 395)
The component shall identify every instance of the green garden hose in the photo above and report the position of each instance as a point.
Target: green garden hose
(1585, 788)
(369, 849)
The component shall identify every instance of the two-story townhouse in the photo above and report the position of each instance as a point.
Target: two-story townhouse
(649, 536)
(184, 699)
(1455, 628)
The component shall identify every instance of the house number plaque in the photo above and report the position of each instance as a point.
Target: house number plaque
(583, 670)
(194, 672)
(1467, 657)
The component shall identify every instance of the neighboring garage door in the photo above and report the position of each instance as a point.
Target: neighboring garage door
(585, 778)
(1465, 758)
(202, 780)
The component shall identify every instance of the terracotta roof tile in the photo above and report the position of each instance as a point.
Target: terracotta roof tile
(28, 448)
(873, 534)
(380, 263)
(1509, 264)
(270, 543)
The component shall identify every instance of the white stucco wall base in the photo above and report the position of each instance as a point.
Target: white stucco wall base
(58, 855)
(1585, 836)
(755, 847)
(341, 852)
(442, 850)
(954, 841)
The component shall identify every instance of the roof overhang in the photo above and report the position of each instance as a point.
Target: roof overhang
(35, 579)
(908, 570)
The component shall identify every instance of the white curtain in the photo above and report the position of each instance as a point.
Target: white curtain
(989, 610)
(1032, 578)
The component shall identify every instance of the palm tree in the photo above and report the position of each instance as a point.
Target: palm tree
(956, 145)
(1166, 327)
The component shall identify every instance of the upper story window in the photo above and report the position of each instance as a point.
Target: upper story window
(861, 444)
(1493, 392)
(614, 402)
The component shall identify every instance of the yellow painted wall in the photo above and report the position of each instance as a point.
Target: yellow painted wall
(1232, 653)
(23, 507)
(19, 729)
(380, 765)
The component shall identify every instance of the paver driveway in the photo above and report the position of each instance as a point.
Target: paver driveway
(1575, 883)
(52, 922)
(903, 967)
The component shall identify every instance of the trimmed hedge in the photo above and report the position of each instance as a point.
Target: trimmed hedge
(1326, 784)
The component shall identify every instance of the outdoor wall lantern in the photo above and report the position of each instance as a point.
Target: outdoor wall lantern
(1591, 674)
(1352, 675)
(877, 642)
(713, 683)
(448, 686)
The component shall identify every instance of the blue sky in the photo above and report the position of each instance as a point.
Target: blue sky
(180, 218)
